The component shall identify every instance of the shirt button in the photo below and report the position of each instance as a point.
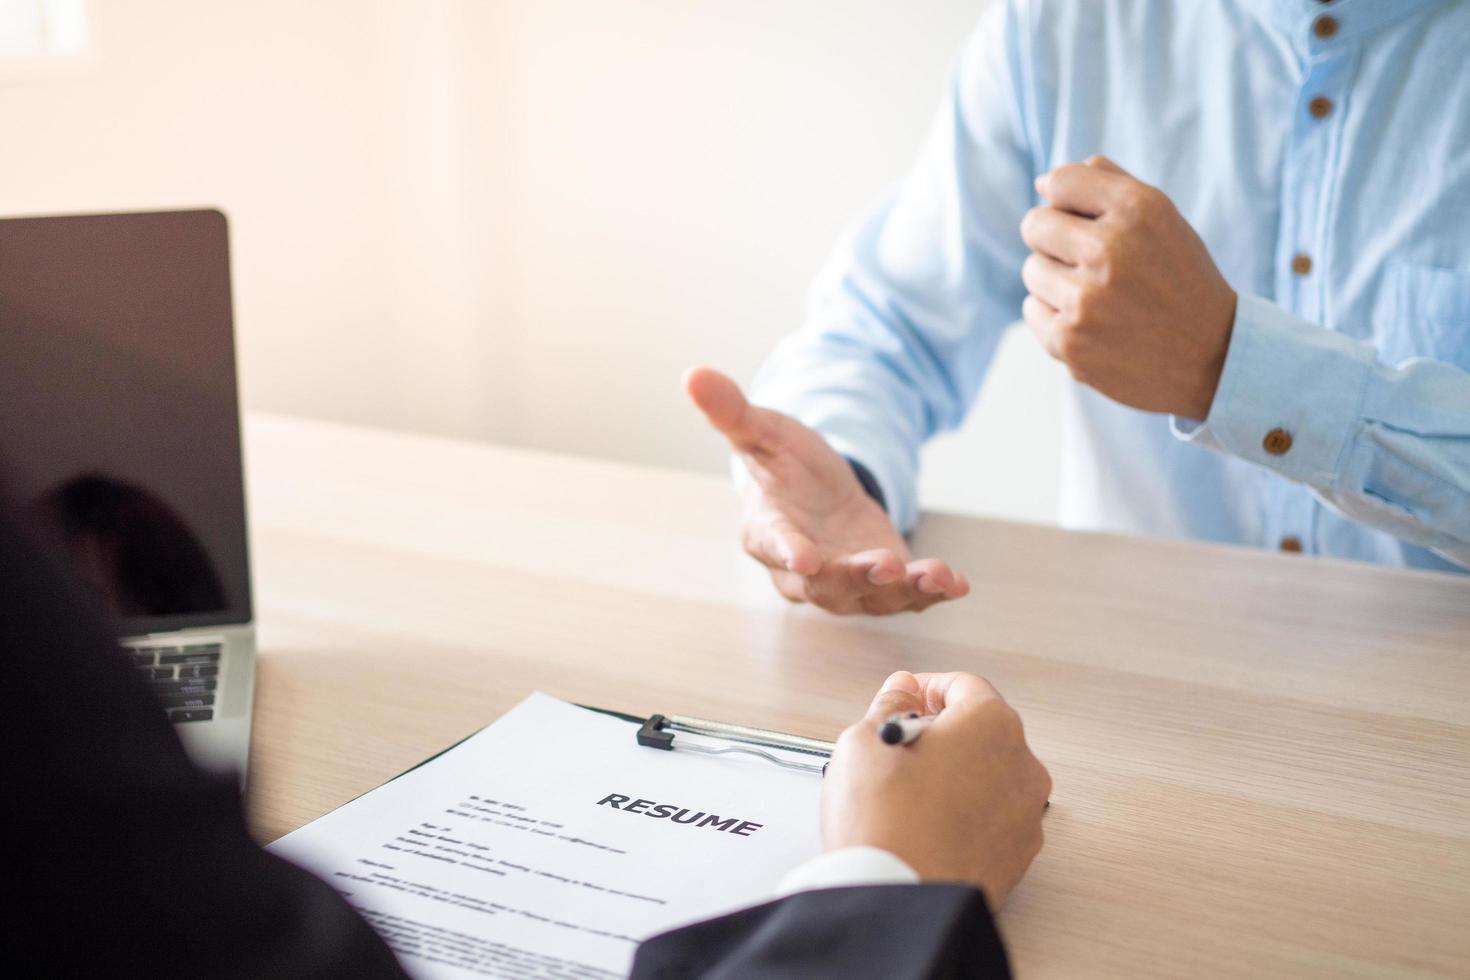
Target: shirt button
(1277, 442)
(1301, 263)
(1291, 543)
(1324, 26)
(1320, 107)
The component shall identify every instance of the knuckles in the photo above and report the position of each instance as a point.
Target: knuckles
(1145, 206)
(1043, 781)
(1064, 344)
(1007, 722)
(1029, 222)
(1075, 328)
(1094, 249)
(1030, 268)
(1139, 201)
(1102, 264)
(1069, 172)
(1090, 309)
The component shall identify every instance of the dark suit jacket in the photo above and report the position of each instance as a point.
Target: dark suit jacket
(123, 859)
(908, 932)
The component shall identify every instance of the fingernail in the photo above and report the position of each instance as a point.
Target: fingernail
(1040, 184)
(879, 575)
(927, 584)
(901, 681)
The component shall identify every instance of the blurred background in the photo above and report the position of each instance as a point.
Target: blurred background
(513, 220)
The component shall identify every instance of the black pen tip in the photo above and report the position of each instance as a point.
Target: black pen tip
(891, 733)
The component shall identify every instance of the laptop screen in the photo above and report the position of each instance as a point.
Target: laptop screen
(119, 421)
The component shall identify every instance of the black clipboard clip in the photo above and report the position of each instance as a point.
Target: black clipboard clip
(658, 732)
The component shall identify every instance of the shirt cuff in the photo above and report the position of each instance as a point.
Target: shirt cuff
(869, 483)
(892, 473)
(848, 866)
(1290, 395)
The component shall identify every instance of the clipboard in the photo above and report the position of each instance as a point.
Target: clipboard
(660, 731)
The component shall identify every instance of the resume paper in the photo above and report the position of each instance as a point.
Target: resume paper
(550, 843)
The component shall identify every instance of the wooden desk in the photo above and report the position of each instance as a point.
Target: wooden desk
(1262, 762)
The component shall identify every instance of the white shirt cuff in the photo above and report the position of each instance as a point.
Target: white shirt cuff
(848, 866)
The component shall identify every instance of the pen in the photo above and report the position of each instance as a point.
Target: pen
(903, 728)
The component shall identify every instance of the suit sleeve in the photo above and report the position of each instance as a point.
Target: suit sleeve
(122, 858)
(893, 932)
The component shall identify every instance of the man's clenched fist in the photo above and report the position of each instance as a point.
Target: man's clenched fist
(1123, 291)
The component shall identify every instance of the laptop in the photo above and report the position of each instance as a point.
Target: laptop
(120, 435)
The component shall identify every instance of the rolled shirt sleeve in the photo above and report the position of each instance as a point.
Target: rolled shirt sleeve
(1385, 445)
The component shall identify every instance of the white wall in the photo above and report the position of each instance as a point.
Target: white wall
(521, 219)
(678, 169)
(330, 132)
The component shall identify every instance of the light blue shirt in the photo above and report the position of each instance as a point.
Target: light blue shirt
(1361, 358)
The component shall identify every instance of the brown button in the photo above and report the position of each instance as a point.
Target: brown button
(1301, 263)
(1320, 107)
(1291, 543)
(1324, 27)
(1277, 442)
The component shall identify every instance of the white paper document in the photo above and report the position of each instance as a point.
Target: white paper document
(550, 843)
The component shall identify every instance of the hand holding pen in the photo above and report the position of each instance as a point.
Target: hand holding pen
(961, 803)
(901, 728)
(905, 727)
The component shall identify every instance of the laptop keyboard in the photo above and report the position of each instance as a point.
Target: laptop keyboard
(184, 678)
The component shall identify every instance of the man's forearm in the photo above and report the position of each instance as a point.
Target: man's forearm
(1387, 446)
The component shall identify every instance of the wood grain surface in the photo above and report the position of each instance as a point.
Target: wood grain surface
(1262, 761)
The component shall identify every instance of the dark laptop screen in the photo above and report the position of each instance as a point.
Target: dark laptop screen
(119, 425)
